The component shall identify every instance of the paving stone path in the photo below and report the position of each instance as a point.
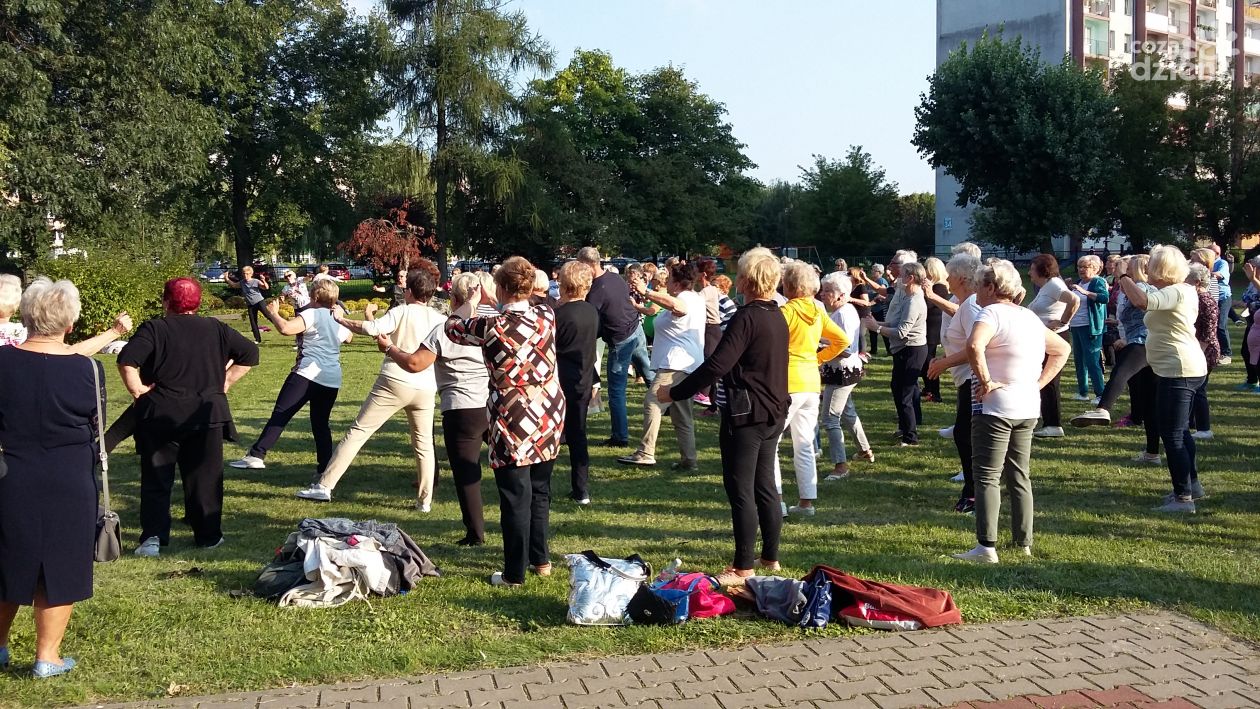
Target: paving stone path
(1151, 659)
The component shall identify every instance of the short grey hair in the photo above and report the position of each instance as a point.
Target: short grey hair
(10, 294)
(966, 268)
(837, 282)
(877, 268)
(463, 285)
(914, 270)
(966, 247)
(50, 308)
(589, 255)
(903, 257)
(800, 279)
(1003, 276)
(1199, 276)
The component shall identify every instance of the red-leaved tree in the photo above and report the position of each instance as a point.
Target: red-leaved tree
(392, 242)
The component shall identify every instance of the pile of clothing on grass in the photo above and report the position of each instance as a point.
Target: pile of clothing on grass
(620, 592)
(330, 562)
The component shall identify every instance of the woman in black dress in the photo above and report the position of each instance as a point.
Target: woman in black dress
(48, 498)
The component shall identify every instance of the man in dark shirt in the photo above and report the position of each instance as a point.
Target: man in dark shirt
(619, 328)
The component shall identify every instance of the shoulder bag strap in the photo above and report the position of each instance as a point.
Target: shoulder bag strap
(100, 432)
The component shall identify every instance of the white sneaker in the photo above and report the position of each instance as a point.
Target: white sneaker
(316, 492)
(216, 545)
(584, 501)
(947, 432)
(1026, 551)
(1093, 417)
(249, 462)
(1148, 458)
(151, 547)
(424, 507)
(980, 555)
(960, 477)
(1081, 397)
(1049, 432)
(803, 511)
(1224, 361)
(1202, 435)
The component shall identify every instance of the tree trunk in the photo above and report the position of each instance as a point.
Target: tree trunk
(240, 218)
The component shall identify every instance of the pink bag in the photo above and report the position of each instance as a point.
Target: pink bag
(706, 601)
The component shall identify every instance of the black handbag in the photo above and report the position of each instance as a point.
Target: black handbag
(657, 607)
(108, 528)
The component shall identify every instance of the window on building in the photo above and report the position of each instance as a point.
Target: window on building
(1128, 7)
(1111, 40)
(1128, 42)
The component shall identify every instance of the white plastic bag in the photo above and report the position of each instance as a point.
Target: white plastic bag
(600, 589)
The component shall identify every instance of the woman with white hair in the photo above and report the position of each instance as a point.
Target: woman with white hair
(1178, 362)
(1205, 326)
(906, 330)
(840, 376)
(1012, 355)
(48, 406)
(808, 325)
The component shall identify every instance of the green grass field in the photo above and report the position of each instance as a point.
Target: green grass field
(171, 626)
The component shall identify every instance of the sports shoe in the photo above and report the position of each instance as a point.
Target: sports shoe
(947, 432)
(683, 465)
(217, 544)
(1202, 435)
(1245, 387)
(249, 462)
(469, 541)
(44, 670)
(834, 477)
(496, 579)
(960, 477)
(316, 492)
(1093, 417)
(424, 507)
(1049, 432)
(980, 555)
(802, 511)
(1224, 361)
(583, 501)
(1026, 551)
(1177, 506)
(1196, 493)
(965, 505)
(769, 565)
(1148, 458)
(1081, 397)
(151, 547)
(543, 570)
(908, 444)
(637, 458)
(1097, 400)
(702, 400)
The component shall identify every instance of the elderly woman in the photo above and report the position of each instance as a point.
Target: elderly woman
(48, 405)
(178, 368)
(840, 376)
(1205, 332)
(577, 329)
(1056, 306)
(1178, 362)
(939, 290)
(962, 272)
(1012, 356)
(464, 386)
(752, 361)
(1087, 326)
(906, 330)
(1131, 369)
(1251, 335)
(395, 388)
(527, 413)
(808, 325)
(676, 352)
(254, 290)
(315, 378)
(14, 333)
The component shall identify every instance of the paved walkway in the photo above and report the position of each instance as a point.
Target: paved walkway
(1155, 659)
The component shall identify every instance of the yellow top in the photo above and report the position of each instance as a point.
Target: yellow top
(808, 325)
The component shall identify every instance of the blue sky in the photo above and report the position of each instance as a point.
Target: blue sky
(798, 77)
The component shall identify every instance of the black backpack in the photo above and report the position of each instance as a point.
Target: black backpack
(283, 573)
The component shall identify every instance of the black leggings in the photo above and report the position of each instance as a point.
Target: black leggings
(524, 512)
(962, 437)
(907, 364)
(931, 387)
(1130, 360)
(576, 403)
(463, 431)
(252, 310)
(1051, 411)
(295, 393)
(748, 454)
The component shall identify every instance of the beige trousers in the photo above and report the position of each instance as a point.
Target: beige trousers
(680, 413)
(383, 401)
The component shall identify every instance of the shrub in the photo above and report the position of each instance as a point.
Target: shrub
(211, 302)
(286, 311)
(235, 302)
(381, 303)
(112, 281)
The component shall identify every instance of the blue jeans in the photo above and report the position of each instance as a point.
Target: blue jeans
(1175, 396)
(1087, 353)
(620, 356)
(1225, 303)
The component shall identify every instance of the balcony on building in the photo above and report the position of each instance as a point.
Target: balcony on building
(1207, 4)
(1098, 8)
(1206, 28)
(1179, 18)
(1251, 38)
(1157, 16)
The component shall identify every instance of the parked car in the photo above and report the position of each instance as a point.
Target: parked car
(339, 271)
(214, 274)
(360, 272)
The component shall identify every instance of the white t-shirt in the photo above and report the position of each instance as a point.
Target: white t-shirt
(323, 277)
(1047, 305)
(1014, 356)
(679, 340)
(460, 371)
(956, 333)
(297, 293)
(847, 319)
(319, 348)
(407, 327)
(1081, 317)
(1171, 347)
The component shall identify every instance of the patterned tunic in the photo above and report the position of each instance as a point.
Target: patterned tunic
(526, 405)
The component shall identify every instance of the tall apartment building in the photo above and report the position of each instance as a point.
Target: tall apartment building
(1204, 34)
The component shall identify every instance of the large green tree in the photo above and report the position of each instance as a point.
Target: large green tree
(1222, 141)
(848, 207)
(1029, 142)
(455, 66)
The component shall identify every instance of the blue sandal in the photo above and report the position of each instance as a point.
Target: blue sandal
(44, 670)
(4, 657)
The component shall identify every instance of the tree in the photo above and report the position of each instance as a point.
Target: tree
(456, 62)
(848, 207)
(392, 243)
(1222, 139)
(916, 228)
(1028, 142)
(301, 111)
(776, 217)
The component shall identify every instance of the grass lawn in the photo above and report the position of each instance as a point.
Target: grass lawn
(170, 625)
